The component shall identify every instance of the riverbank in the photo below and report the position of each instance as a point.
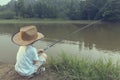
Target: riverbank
(7, 72)
(67, 67)
(35, 21)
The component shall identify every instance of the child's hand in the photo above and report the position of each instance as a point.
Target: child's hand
(40, 50)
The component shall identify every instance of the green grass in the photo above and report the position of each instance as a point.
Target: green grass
(14, 21)
(74, 68)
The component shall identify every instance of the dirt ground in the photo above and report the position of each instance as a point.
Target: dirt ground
(7, 72)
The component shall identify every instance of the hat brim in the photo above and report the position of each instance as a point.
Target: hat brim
(17, 39)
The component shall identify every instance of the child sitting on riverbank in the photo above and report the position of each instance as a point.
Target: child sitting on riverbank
(29, 62)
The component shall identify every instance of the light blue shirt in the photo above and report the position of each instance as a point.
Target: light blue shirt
(25, 57)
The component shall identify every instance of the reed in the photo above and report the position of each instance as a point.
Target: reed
(74, 68)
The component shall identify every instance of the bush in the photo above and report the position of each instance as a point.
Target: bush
(7, 14)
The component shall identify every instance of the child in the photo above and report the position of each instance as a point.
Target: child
(28, 61)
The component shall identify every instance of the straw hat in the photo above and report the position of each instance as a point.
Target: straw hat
(27, 35)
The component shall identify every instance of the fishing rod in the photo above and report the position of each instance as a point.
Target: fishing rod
(51, 45)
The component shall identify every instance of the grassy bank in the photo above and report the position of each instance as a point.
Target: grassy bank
(73, 68)
(68, 68)
(14, 21)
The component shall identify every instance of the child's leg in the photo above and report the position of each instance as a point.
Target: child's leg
(39, 66)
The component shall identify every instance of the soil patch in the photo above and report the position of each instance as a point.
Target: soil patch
(7, 72)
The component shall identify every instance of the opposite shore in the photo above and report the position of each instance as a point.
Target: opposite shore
(34, 21)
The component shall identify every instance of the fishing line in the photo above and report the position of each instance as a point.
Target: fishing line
(51, 45)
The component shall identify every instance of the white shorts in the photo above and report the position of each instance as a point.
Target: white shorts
(41, 61)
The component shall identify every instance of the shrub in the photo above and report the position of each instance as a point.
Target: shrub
(7, 14)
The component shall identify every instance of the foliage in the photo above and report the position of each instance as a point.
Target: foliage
(7, 15)
(74, 68)
(111, 12)
(108, 10)
(20, 8)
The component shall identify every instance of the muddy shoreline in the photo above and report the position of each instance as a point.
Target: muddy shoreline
(7, 72)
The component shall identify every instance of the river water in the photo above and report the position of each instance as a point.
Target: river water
(101, 40)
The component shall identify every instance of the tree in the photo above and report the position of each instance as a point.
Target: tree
(29, 13)
(108, 10)
(20, 8)
(7, 14)
(38, 10)
(74, 11)
(111, 12)
(11, 5)
(42, 10)
(91, 9)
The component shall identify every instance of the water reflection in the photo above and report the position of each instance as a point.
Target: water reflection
(94, 53)
(98, 40)
(106, 37)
